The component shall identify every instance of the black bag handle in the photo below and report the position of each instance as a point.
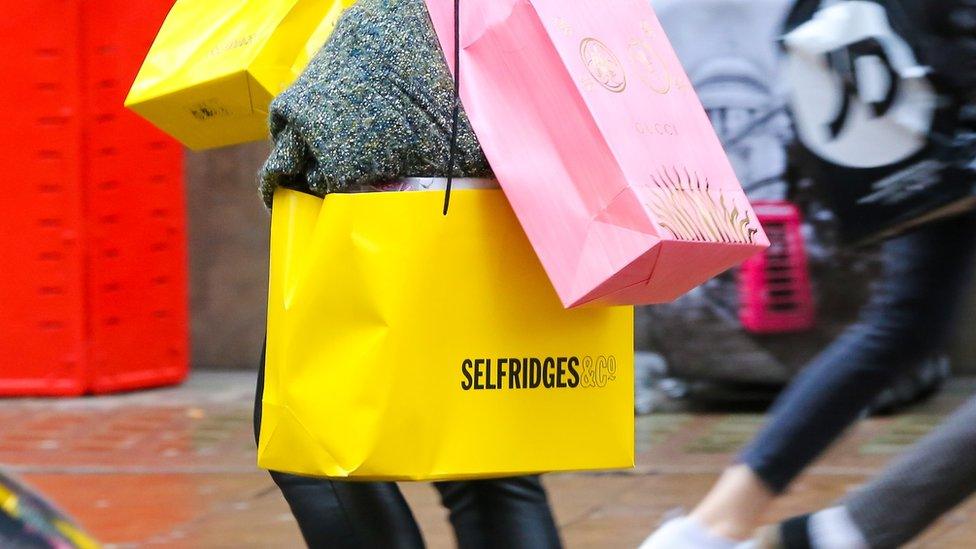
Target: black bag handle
(452, 156)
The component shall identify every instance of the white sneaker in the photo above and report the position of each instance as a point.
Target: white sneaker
(688, 533)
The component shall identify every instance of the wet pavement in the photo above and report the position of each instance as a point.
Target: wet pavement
(175, 468)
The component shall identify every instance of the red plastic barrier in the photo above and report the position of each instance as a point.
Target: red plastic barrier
(93, 294)
(775, 295)
(42, 323)
(137, 285)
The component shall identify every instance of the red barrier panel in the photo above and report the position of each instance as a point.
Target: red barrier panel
(93, 297)
(42, 323)
(137, 285)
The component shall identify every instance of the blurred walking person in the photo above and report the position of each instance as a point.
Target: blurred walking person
(912, 309)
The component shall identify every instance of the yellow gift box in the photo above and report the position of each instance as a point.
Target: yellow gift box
(216, 65)
(408, 345)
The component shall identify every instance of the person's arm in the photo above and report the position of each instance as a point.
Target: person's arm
(298, 115)
(373, 106)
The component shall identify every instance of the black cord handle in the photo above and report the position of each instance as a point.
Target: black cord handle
(452, 156)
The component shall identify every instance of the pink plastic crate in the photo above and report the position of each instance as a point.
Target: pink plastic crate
(775, 295)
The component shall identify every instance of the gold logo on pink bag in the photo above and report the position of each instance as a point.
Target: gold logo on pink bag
(691, 210)
(564, 26)
(652, 70)
(603, 65)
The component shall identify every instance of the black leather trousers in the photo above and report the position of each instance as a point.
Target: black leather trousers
(509, 513)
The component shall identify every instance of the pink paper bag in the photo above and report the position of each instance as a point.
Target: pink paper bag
(601, 146)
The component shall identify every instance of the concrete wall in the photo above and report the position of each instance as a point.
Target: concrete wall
(229, 255)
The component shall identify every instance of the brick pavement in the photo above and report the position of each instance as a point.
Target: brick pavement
(175, 468)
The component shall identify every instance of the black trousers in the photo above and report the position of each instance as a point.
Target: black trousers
(510, 513)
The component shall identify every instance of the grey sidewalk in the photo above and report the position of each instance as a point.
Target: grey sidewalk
(175, 468)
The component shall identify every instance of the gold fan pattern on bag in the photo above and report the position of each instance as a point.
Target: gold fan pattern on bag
(691, 210)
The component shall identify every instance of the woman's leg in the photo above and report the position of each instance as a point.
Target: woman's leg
(910, 315)
(512, 513)
(344, 515)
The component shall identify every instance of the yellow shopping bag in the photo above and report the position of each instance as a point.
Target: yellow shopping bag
(216, 65)
(406, 345)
